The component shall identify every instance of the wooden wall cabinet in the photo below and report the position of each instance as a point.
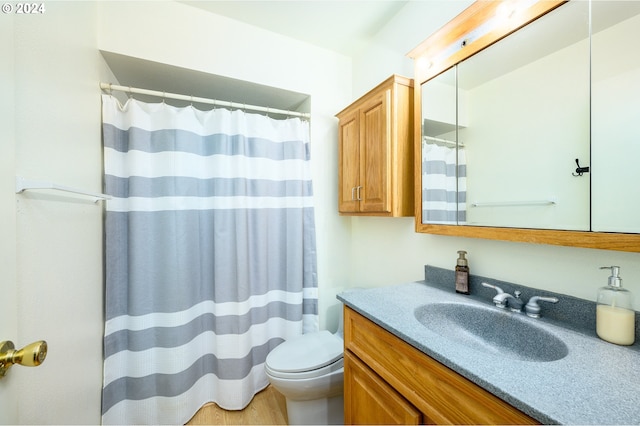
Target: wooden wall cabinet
(375, 152)
(388, 381)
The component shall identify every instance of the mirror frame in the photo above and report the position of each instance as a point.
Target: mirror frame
(430, 60)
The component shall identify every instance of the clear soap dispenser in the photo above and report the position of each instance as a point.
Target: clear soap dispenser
(615, 317)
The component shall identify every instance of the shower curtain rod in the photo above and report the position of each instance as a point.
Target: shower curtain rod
(443, 141)
(109, 87)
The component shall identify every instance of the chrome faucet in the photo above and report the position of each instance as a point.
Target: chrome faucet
(502, 299)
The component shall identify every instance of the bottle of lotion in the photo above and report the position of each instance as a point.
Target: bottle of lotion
(615, 317)
(462, 273)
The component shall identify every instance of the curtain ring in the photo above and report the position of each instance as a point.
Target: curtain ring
(130, 93)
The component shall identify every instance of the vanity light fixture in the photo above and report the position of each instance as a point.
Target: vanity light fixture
(507, 10)
(424, 63)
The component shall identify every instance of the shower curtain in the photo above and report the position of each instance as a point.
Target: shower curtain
(210, 256)
(444, 189)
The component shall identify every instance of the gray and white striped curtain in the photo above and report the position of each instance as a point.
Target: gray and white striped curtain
(210, 256)
(444, 184)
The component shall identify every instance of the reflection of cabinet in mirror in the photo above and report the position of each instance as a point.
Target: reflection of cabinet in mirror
(522, 131)
(375, 152)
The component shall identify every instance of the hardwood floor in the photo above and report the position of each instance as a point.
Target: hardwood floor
(267, 408)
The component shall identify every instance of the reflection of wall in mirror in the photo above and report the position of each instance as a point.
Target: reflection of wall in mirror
(616, 128)
(439, 106)
(524, 133)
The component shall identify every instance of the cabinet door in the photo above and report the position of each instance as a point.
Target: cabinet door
(348, 162)
(439, 393)
(375, 153)
(370, 400)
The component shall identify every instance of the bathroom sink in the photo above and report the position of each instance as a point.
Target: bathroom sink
(492, 330)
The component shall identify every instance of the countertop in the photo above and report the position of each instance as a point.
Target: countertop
(596, 383)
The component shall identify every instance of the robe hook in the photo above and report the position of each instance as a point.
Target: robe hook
(580, 170)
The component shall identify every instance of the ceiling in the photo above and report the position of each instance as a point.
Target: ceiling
(343, 26)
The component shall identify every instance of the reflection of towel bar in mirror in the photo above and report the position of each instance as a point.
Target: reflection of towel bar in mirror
(515, 203)
(23, 184)
(439, 141)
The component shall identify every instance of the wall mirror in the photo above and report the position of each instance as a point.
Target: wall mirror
(508, 130)
(615, 109)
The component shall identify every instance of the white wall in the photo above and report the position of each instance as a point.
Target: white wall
(388, 251)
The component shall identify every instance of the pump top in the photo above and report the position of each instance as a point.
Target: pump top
(462, 260)
(614, 278)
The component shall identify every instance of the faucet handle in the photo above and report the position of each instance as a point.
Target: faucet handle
(500, 298)
(533, 309)
(495, 287)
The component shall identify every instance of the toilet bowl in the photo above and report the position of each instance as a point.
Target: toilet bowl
(308, 371)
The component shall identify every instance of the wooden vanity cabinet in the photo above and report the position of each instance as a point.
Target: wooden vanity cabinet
(375, 152)
(372, 400)
(388, 381)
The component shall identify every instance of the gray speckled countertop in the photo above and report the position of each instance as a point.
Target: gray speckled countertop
(596, 383)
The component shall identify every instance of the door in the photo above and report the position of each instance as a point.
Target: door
(8, 297)
(375, 155)
(348, 163)
(8, 290)
(369, 399)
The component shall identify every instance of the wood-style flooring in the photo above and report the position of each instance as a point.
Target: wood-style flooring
(267, 408)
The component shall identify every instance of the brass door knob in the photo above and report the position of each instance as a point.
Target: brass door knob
(30, 356)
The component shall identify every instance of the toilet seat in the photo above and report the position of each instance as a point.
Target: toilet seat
(307, 356)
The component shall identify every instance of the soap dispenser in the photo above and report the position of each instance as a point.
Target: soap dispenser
(462, 273)
(615, 317)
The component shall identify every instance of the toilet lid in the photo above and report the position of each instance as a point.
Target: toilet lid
(307, 352)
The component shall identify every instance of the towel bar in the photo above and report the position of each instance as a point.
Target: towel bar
(23, 184)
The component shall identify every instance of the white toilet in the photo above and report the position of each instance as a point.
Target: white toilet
(308, 371)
